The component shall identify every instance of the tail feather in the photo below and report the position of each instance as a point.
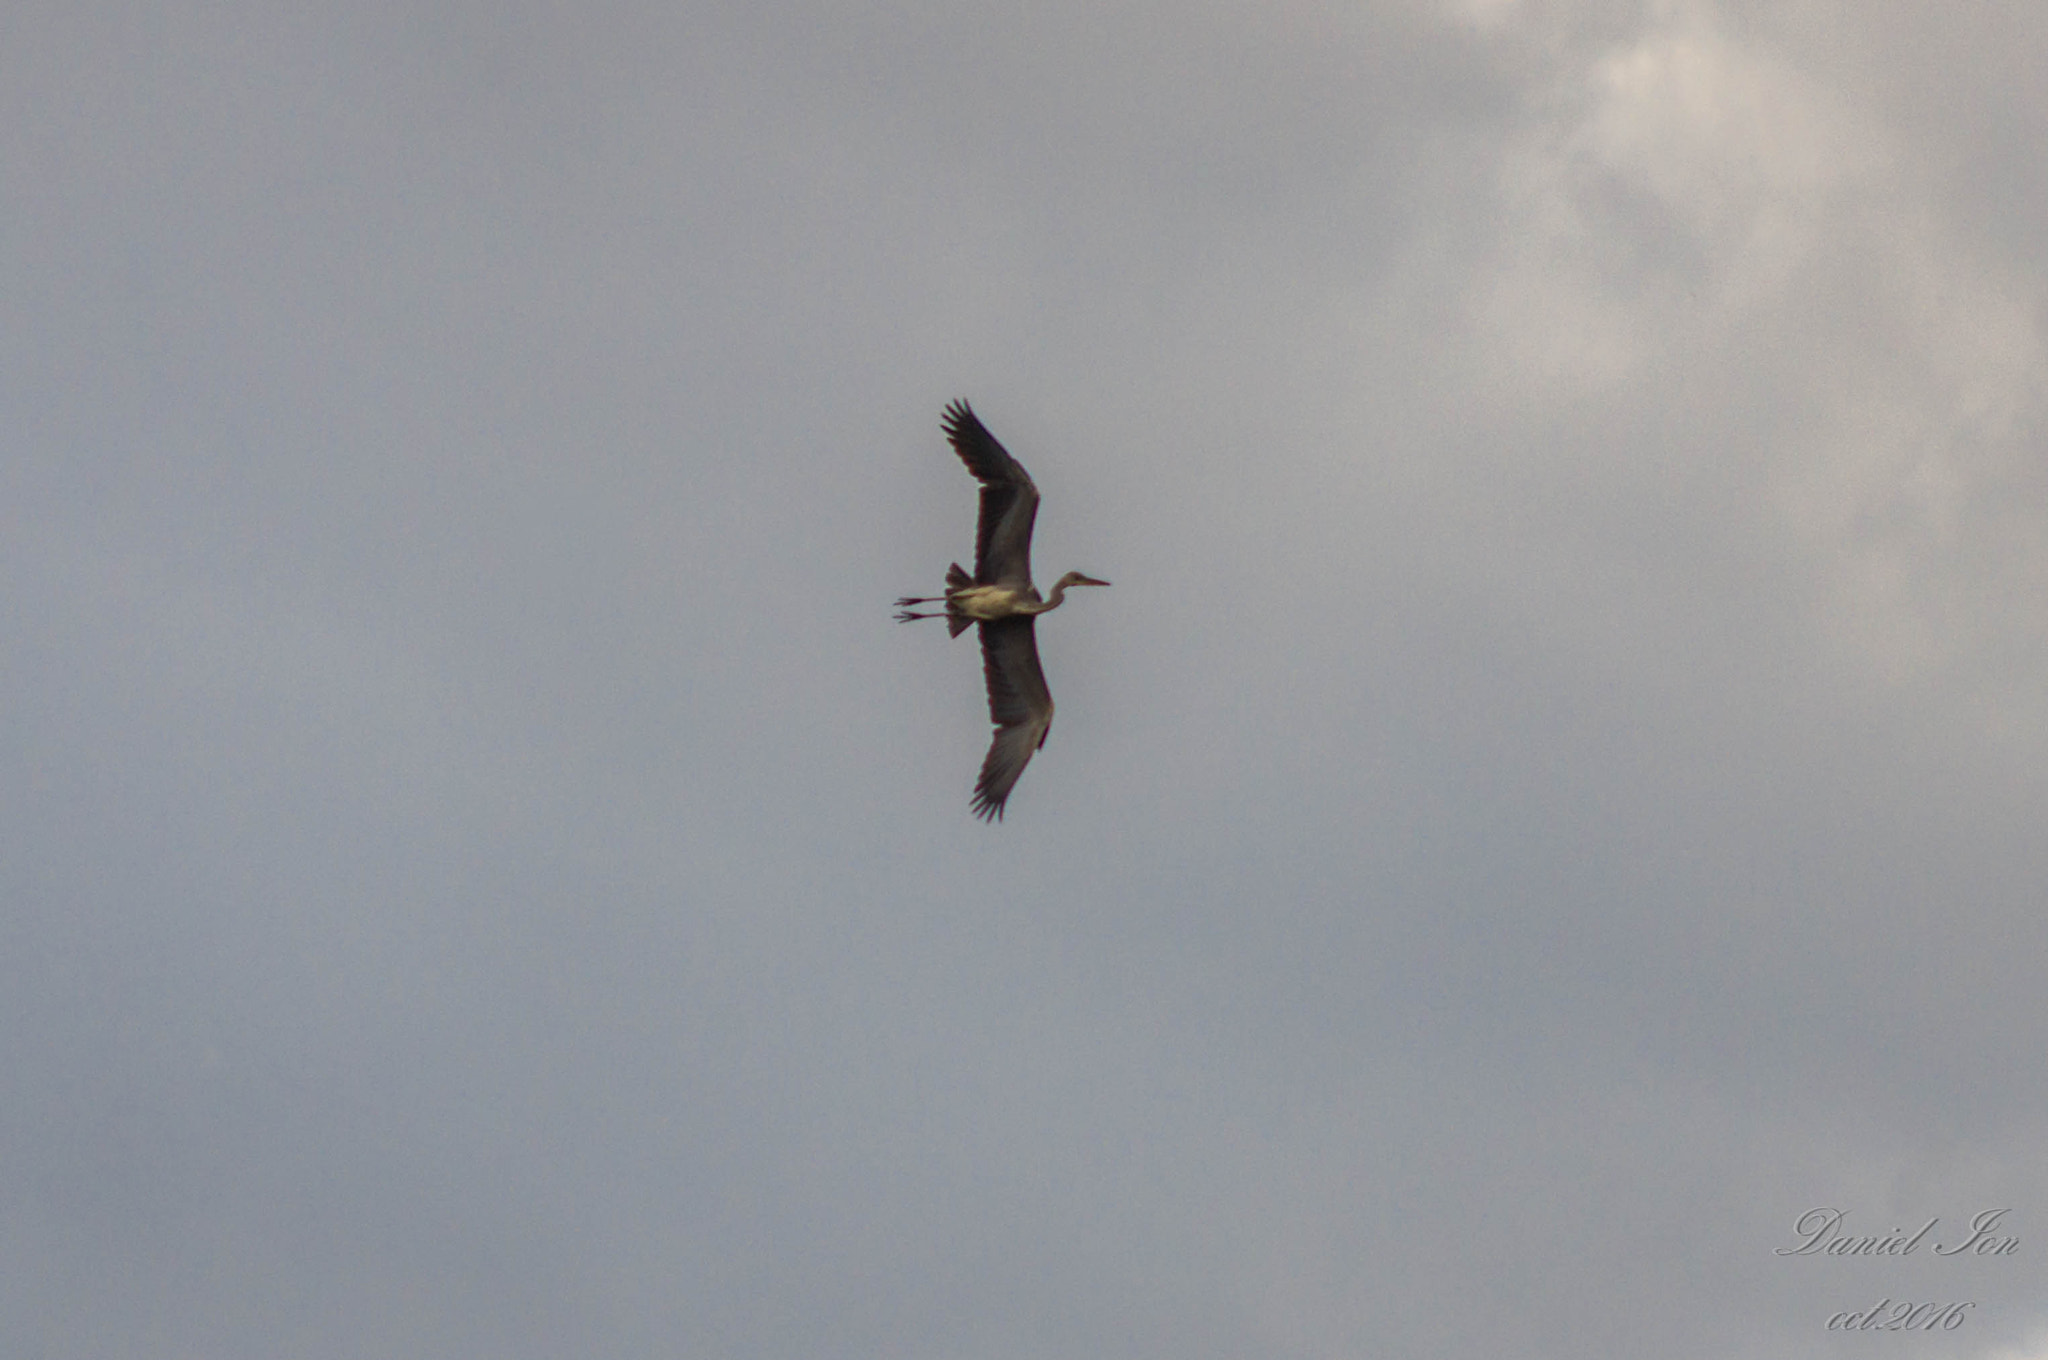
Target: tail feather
(956, 578)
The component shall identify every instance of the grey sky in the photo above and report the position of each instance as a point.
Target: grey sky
(1554, 794)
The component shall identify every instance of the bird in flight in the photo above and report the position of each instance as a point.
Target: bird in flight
(1000, 598)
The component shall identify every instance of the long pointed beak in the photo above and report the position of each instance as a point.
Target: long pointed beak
(1090, 581)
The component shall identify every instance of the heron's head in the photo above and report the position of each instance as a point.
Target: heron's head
(1075, 578)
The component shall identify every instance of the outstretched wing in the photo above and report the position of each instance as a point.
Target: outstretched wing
(1009, 501)
(1019, 704)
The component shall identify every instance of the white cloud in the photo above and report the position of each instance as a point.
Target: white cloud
(1686, 206)
(1671, 182)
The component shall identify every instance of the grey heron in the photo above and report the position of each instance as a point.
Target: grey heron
(1000, 597)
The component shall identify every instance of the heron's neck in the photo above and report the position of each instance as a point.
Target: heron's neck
(1052, 601)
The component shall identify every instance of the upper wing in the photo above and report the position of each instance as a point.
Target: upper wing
(1019, 704)
(1009, 501)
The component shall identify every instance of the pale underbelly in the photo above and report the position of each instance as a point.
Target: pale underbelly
(986, 602)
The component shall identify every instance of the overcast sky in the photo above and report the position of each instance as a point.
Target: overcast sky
(1555, 793)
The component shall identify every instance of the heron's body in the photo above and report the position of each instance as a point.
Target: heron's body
(983, 603)
(1000, 597)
